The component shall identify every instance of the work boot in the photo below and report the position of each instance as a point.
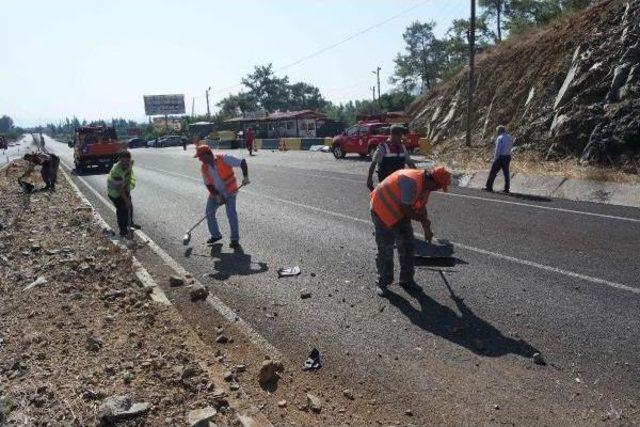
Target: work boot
(381, 291)
(409, 285)
(136, 226)
(235, 244)
(213, 240)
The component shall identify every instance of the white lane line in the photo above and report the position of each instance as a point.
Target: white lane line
(515, 260)
(549, 208)
(228, 313)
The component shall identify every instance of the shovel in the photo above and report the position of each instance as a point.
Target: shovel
(187, 237)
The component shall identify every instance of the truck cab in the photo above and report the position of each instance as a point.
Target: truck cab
(363, 138)
(95, 147)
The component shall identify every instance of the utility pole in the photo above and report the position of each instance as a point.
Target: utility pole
(208, 111)
(377, 73)
(373, 92)
(193, 106)
(472, 54)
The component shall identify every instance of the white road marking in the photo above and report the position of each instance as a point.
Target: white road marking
(487, 199)
(212, 300)
(527, 263)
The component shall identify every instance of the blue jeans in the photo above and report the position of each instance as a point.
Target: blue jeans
(401, 236)
(232, 216)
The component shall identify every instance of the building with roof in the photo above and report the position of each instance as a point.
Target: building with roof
(287, 124)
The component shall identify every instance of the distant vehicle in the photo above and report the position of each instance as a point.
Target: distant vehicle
(136, 143)
(95, 147)
(167, 141)
(364, 138)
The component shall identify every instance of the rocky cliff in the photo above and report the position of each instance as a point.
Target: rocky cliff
(571, 89)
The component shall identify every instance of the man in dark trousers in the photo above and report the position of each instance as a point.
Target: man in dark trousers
(501, 159)
(49, 164)
(390, 157)
(120, 182)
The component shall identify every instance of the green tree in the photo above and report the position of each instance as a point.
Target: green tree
(303, 96)
(457, 41)
(235, 105)
(270, 92)
(496, 11)
(6, 124)
(424, 58)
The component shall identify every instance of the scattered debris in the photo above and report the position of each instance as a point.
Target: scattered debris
(120, 408)
(305, 294)
(199, 292)
(201, 417)
(94, 343)
(269, 372)
(176, 281)
(282, 403)
(38, 282)
(314, 403)
(408, 413)
(313, 361)
(289, 272)
(538, 359)
(348, 394)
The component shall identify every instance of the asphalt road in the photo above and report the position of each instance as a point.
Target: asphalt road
(530, 275)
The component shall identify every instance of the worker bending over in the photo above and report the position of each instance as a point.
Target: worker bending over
(49, 164)
(390, 157)
(220, 180)
(395, 202)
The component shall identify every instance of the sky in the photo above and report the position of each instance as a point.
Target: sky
(96, 59)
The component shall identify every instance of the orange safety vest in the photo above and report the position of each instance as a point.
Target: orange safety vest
(385, 198)
(225, 172)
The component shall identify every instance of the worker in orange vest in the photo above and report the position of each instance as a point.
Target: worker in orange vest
(395, 202)
(220, 180)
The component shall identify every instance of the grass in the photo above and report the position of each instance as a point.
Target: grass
(530, 164)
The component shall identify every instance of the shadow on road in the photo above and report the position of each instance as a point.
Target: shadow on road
(466, 330)
(237, 263)
(437, 254)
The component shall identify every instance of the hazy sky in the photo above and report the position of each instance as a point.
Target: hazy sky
(96, 59)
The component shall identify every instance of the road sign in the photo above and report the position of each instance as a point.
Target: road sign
(163, 104)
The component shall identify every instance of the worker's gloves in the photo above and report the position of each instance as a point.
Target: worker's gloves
(245, 181)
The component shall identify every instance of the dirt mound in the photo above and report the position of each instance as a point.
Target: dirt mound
(571, 89)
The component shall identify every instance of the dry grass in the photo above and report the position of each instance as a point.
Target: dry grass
(531, 164)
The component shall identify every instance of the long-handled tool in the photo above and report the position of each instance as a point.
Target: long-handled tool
(187, 237)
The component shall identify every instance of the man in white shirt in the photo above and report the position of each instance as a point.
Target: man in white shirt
(501, 159)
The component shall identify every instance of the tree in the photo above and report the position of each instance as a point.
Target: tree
(235, 105)
(457, 42)
(6, 124)
(495, 10)
(270, 92)
(424, 59)
(303, 96)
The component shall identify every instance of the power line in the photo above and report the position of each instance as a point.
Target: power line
(341, 42)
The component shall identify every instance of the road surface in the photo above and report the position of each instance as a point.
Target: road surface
(530, 275)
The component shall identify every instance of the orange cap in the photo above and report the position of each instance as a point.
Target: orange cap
(442, 177)
(202, 150)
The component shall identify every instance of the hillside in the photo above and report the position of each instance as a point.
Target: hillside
(569, 90)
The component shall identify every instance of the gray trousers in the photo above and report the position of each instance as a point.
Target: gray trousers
(401, 235)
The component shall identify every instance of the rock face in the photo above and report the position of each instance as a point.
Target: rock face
(571, 89)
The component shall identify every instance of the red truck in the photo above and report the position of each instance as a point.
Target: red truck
(363, 139)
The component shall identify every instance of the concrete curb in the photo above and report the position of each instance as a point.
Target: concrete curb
(611, 193)
(157, 294)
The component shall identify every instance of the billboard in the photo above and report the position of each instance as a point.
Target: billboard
(155, 105)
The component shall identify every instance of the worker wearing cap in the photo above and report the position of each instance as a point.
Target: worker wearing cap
(390, 156)
(395, 202)
(220, 180)
(120, 182)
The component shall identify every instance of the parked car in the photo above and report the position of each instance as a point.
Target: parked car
(168, 141)
(136, 143)
(364, 137)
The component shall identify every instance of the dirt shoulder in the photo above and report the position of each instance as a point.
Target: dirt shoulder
(79, 333)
